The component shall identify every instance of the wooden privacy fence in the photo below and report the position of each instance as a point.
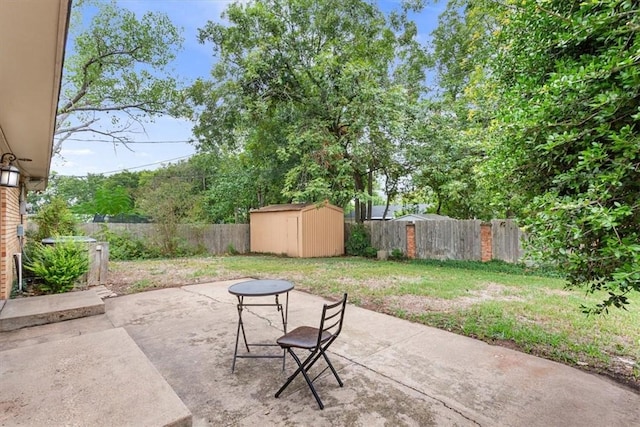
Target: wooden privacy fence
(215, 238)
(471, 240)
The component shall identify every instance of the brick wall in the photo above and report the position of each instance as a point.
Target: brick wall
(9, 244)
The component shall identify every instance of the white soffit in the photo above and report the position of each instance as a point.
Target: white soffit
(32, 40)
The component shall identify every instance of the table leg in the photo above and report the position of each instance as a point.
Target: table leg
(284, 315)
(240, 328)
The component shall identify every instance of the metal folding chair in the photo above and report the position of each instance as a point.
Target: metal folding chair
(317, 341)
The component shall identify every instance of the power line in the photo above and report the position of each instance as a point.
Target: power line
(130, 168)
(186, 141)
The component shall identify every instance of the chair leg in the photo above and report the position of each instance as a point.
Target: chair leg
(302, 368)
(292, 377)
(335, 374)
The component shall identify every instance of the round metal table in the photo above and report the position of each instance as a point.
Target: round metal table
(259, 288)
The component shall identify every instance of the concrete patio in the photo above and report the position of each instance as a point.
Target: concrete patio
(164, 358)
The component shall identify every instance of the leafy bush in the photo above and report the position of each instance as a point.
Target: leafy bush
(125, 247)
(59, 266)
(55, 219)
(370, 252)
(397, 255)
(359, 242)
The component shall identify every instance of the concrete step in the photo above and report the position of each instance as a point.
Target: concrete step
(32, 311)
(94, 379)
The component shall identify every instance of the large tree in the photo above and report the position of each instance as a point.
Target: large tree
(449, 151)
(324, 85)
(117, 71)
(569, 134)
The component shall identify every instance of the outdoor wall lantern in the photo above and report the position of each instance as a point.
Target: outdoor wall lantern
(9, 174)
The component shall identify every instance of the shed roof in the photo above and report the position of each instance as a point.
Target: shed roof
(284, 207)
(295, 207)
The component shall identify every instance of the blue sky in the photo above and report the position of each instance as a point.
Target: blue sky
(195, 60)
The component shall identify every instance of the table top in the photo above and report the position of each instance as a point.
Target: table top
(258, 288)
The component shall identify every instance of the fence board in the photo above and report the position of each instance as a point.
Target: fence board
(388, 235)
(448, 239)
(215, 238)
(506, 241)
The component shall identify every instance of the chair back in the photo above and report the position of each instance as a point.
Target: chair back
(331, 321)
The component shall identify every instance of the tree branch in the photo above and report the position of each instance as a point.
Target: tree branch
(86, 82)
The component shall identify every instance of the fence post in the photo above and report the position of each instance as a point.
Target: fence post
(486, 242)
(411, 240)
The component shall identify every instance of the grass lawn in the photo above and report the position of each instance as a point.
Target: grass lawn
(494, 302)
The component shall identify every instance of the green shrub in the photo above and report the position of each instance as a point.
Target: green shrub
(397, 255)
(369, 252)
(185, 249)
(125, 247)
(359, 242)
(55, 219)
(59, 266)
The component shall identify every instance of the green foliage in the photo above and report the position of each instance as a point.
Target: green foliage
(124, 247)
(450, 137)
(93, 194)
(370, 252)
(55, 219)
(59, 266)
(397, 255)
(108, 201)
(569, 134)
(316, 93)
(239, 183)
(359, 242)
(169, 201)
(444, 161)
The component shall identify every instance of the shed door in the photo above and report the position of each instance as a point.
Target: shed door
(292, 236)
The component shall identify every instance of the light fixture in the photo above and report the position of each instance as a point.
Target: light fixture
(9, 174)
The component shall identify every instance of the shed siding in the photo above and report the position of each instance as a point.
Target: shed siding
(298, 230)
(322, 232)
(269, 232)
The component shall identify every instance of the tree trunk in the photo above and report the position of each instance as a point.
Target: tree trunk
(360, 208)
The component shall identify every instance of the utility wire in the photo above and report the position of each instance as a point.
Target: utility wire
(129, 168)
(186, 141)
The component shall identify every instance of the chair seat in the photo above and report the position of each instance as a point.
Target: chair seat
(302, 337)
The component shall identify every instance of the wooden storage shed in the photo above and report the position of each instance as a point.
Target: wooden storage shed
(298, 230)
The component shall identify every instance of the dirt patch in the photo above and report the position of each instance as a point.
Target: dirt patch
(130, 277)
(416, 304)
